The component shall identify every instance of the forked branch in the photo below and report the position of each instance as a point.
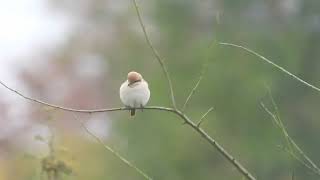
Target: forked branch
(174, 110)
(203, 72)
(292, 146)
(183, 117)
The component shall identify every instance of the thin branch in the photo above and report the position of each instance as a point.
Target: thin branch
(291, 142)
(156, 54)
(215, 144)
(192, 92)
(294, 156)
(203, 72)
(88, 111)
(99, 140)
(56, 106)
(273, 64)
(316, 168)
(270, 113)
(278, 117)
(51, 143)
(280, 126)
(203, 116)
(184, 117)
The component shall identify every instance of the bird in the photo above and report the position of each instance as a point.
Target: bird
(134, 92)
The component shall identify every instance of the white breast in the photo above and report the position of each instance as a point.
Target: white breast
(135, 96)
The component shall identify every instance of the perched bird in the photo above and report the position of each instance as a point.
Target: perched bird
(134, 92)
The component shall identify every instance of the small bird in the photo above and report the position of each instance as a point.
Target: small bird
(134, 92)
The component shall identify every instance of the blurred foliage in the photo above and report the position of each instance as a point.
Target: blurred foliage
(285, 31)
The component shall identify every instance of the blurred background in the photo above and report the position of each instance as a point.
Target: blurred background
(77, 53)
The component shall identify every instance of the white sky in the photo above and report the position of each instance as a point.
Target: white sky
(26, 26)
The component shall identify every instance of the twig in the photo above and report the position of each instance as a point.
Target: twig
(57, 106)
(316, 168)
(279, 124)
(203, 116)
(278, 118)
(51, 142)
(184, 117)
(99, 140)
(203, 71)
(291, 143)
(156, 54)
(192, 92)
(294, 156)
(273, 64)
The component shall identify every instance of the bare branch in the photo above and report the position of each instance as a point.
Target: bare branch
(278, 118)
(274, 118)
(156, 54)
(203, 116)
(184, 117)
(215, 144)
(203, 72)
(192, 92)
(99, 140)
(291, 143)
(294, 156)
(239, 166)
(273, 64)
(56, 106)
(316, 168)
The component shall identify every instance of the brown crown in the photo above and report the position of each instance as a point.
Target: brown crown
(134, 76)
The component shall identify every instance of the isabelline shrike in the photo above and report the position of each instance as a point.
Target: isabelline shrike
(134, 92)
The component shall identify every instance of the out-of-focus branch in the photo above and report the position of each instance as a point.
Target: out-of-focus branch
(292, 144)
(51, 165)
(272, 64)
(294, 156)
(156, 54)
(108, 148)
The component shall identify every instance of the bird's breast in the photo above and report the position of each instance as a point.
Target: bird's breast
(136, 95)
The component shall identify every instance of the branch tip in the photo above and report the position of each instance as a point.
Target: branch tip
(203, 72)
(203, 116)
(271, 63)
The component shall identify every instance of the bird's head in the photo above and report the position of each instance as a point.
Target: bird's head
(134, 77)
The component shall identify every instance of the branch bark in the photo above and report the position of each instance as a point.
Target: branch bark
(156, 54)
(183, 116)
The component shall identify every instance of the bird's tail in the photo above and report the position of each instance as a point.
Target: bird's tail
(133, 112)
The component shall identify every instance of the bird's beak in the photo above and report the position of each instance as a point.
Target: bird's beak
(131, 83)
